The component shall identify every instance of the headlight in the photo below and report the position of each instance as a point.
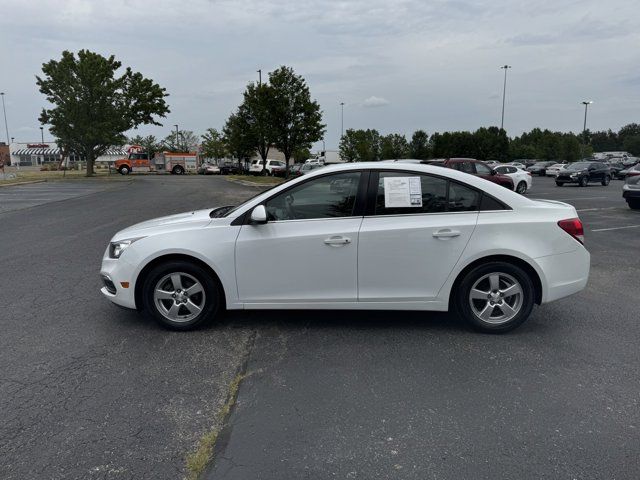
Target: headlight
(574, 175)
(116, 248)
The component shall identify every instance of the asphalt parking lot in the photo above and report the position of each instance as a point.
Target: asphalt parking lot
(91, 391)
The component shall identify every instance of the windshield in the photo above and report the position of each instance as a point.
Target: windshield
(579, 166)
(231, 209)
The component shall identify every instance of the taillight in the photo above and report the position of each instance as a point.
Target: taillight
(573, 227)
(529, 173)
(633, 174)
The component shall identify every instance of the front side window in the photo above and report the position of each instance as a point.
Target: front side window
(482, 169)
(332, 196)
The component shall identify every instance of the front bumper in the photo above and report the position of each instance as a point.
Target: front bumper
(563, 179)
(115, 274)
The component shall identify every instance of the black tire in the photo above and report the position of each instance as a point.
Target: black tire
(212, 294)
(606, 180)
(559, 184)
(583, 182)
(462, 300)
(178, 170)
(634, 204)
(521, 188)
(124, 170)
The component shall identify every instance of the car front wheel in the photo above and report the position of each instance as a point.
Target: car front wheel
(606, 180)
(181, 295)
(495, 297)
(559, 184)
(583, 182)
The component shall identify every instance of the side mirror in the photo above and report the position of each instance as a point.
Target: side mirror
(259, 215)
(494, 171)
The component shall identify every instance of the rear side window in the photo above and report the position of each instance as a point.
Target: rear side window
(490, 203)
(462, 199)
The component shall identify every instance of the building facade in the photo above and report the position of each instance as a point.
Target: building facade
(35, 154)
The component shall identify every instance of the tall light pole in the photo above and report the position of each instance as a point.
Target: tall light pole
(504, 93)
(586, 104)
(42, 138)
(4, 110)
(341, 119)
(177, 138)
(259, 76)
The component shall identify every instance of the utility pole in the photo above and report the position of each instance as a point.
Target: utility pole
(586, 104)
(4, 110)
(42, 138)
(504, 92)
(341, 120)
(260, 77)
(177, 138)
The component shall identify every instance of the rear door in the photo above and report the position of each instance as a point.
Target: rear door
(405, 254)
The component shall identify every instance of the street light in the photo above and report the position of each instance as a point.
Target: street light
(259, 77)
(504, 92)
(42, 138)
(342, 119)
(4, 110)
(586, 104)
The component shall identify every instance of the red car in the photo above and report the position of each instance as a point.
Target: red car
(479, 169)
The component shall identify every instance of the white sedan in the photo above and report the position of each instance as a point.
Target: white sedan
(363, 236)
(554, 170)
(522, 180)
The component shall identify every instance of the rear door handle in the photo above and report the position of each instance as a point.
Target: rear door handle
(337, 240)
(446, 233)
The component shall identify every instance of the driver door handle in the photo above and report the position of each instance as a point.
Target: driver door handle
(446, 233)
(337, 240)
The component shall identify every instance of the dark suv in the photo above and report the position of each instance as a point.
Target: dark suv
(479, 169)
(584, 172)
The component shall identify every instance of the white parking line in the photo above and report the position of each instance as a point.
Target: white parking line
(614, 228)
(594, 209)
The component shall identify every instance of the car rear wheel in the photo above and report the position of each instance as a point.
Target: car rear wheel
(178, 170)
(495, 297)
(606, 180)
(559, 184)
(181, 295)
(521, 188)
(124, 170)
(583, 182)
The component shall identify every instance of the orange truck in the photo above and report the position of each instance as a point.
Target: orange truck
(170, 162)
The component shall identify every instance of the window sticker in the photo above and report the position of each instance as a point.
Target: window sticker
(402, 192)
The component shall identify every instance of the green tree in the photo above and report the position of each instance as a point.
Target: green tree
(296, 119)
(257, 110)
(604, 141)
(629, 130)
(393, 146)
(631, 144)
(419, 145)
(213, 145)
(360, 145)
(92, 106)
(149, 143)
(491, 144)
(185, 141)
(239, 137)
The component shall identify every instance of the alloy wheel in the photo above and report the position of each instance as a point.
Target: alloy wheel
(179, 297)
(496, 298)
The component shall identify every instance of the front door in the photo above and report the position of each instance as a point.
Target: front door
(307, 252)
(406, 254)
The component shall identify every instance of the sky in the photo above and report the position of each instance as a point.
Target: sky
(398, 65)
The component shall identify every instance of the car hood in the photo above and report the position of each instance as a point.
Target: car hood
(180, 221)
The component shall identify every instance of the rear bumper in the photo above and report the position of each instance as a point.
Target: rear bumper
(564, 274)
(631, 194)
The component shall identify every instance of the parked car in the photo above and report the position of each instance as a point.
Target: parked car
(615, 168)
(540, 168)
(478, 168)
(622, 174)
(207, 168)
(230, 168)
(492, 163)
(303, 168)
(521, 178)
(554, 169)
(518, 165)
(392, 236)
(256, 167)
(631, 191)
(584, 172)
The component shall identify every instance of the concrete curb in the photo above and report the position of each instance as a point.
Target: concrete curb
(22, 183)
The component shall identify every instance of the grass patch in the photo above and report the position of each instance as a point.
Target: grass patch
(30, 175)
(198, 460)
(257, 179)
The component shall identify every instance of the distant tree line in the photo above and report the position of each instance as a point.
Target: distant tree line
(489, 143)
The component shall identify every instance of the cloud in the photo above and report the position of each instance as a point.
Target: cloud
(374, 101)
